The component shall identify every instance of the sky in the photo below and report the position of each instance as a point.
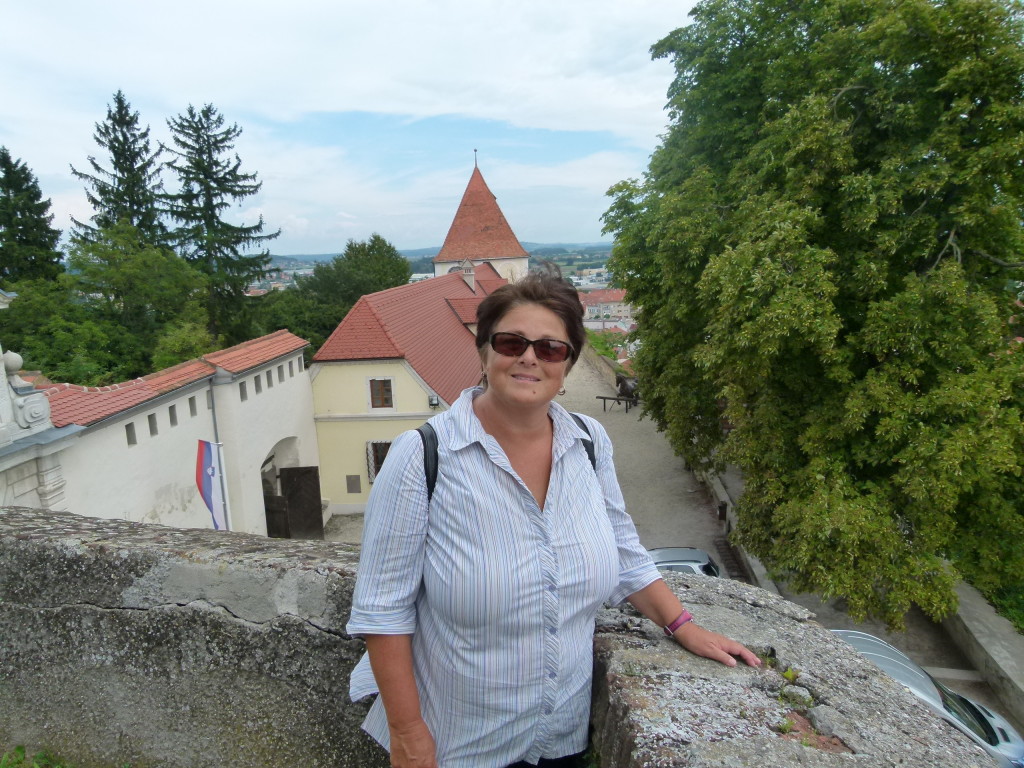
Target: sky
(358, 116)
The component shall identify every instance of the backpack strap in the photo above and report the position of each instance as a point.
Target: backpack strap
(589, 442)
(429, 437)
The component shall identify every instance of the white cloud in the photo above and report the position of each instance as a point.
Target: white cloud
(563, 65)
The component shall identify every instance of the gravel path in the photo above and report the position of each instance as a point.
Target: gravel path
(669, 506)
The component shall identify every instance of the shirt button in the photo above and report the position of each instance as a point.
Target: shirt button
(547, 710)
(552, 630)
(552, 675)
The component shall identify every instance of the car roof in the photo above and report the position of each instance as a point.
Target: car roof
(893, 662)
(678, 553)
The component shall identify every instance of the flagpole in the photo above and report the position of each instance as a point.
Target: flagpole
(223, 487)
(220, 455)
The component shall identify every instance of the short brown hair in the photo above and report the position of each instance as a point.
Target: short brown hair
(546, 288)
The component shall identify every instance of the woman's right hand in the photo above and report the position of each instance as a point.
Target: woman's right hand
(412, 746)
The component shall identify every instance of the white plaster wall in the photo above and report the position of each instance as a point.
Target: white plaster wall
(249, 431)
(152, 481)
(510, 269)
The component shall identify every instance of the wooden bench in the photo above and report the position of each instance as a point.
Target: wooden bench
(629, 401)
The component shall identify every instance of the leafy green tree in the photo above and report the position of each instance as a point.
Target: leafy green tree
(184, 339)
(210, 183)
(57, 334)
(824, 248)
(28, 242)
(335, 286)
(299, 313)
(365, 267)
(131, 189)
(139, 286)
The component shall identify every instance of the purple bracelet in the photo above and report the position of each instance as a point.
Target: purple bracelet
(684, 617)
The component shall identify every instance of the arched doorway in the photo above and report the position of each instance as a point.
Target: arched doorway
(291, 494)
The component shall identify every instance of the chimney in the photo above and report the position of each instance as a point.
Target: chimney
(469, 274)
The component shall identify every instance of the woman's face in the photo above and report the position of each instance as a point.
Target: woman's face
(525, 380)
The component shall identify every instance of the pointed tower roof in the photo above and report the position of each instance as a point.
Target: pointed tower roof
(479, 230)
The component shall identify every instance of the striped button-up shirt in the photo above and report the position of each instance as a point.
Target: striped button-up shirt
(499, 595)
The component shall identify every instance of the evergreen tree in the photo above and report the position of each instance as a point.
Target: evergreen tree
(28, 244)
(131, 190)
(211, 182)
(825, 245)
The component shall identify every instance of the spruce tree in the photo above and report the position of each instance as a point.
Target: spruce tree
(130, 191)
(211, 182)
(28, 242)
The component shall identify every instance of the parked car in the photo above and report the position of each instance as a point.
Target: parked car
(685, 560)
(988, 729)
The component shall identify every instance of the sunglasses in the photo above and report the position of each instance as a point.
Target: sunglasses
(514, 345)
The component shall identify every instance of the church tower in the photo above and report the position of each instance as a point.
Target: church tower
(481, 234)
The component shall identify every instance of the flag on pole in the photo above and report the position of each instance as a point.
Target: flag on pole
(210, 481)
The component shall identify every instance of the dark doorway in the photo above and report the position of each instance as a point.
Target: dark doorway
(300, 488)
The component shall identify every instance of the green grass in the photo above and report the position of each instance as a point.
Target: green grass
(604, 342)
(17, 758)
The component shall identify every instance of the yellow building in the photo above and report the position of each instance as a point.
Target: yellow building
(397, 358)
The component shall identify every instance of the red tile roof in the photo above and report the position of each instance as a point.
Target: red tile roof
(603, 296)
(465, 309)
(254, 352)
(423, 323)
(74, 404)
(479, 230)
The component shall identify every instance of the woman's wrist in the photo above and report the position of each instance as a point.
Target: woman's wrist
(684, 618)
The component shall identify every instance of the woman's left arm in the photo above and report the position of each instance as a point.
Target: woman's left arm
(658, 603)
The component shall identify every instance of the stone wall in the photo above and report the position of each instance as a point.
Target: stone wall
(129, 643)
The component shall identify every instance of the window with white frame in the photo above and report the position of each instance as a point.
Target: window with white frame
(376, 452)
(381, 393)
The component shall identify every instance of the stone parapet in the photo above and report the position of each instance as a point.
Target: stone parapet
(129, 643)
(155, 646)
(817, 702)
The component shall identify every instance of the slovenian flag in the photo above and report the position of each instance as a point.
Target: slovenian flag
(208, 478)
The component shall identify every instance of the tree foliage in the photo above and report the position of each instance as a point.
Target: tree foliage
(826, 245)
(130, 190)
(211, 181)
(139, 286)
(28, 242)
(320, 301)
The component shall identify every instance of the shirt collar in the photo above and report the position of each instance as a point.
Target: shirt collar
(467, 429)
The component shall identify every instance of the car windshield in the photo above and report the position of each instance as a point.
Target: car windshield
(964, 711)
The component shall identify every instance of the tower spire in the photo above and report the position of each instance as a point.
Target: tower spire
(474, 158)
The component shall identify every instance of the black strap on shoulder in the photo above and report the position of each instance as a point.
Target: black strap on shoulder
(429, 438)
(589, 443)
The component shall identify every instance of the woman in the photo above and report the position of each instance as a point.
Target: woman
(478, 612)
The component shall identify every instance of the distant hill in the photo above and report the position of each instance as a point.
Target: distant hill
(415, 254)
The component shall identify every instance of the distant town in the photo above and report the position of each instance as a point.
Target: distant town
(583, 263)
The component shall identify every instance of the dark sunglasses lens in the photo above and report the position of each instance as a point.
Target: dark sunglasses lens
(551, 351)
(509, 344)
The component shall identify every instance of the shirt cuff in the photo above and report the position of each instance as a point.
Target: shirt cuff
(401, 622)
(633, 581)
